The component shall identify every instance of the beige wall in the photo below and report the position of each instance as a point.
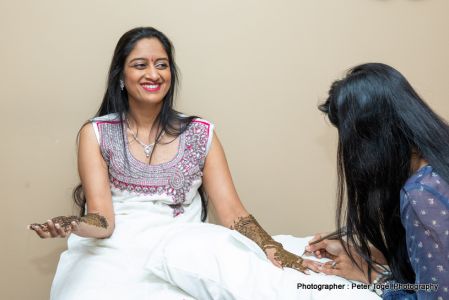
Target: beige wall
(257, 69)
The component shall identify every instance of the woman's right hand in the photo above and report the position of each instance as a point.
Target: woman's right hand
(57, 227)
(340, 264)
(326, 248)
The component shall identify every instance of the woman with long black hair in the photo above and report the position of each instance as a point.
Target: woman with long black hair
(393, 188)
(143, 167)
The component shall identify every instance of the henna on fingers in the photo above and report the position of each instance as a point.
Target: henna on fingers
(64, 221)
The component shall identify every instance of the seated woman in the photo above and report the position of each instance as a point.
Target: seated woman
(143, 167)
(393, 193)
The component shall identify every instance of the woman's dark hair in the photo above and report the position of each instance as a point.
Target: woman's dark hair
(115, 99)
(381, 122)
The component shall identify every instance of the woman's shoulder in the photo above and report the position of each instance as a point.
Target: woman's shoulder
(100, 122)
(427, 180)
(426, 175)
(110, 118)
(202, 121)
(196, 122)
(202, 131)
(203, 126)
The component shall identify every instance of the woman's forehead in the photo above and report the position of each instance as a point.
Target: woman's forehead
(148, 48)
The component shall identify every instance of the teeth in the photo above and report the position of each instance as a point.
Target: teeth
(151, 86)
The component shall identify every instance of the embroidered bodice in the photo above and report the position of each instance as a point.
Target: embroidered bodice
(174, 183)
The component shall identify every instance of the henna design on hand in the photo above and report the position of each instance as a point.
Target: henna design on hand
(249, 227)
(289, 260)
(64, 221)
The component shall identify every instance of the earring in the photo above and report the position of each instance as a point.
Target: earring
(122, 85)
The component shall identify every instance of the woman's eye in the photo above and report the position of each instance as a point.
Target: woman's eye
(161, 66)
(139, 66)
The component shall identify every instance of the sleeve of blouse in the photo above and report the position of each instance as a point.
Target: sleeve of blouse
(426, 220)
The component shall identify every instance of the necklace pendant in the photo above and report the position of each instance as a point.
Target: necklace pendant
(148, 149)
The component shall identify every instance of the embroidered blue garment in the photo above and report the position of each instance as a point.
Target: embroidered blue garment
(425, 217)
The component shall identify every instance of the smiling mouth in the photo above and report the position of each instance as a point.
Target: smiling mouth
(151, 87)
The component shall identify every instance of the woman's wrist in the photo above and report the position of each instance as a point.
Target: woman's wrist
(370, 279)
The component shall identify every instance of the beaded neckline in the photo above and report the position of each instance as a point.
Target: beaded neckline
(143, 165)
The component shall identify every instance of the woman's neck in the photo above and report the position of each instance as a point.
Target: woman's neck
(143, 116)
(417, 162)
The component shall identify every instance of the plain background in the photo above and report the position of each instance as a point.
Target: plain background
(257, 69)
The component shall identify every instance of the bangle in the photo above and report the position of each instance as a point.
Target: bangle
(380, 278)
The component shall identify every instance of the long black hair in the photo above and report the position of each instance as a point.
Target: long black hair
(115, 99)
(381, 122)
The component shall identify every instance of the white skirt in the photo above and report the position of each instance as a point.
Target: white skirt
(152, 255)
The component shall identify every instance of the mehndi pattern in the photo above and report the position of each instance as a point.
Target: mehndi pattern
(65, 222)
(249, 227)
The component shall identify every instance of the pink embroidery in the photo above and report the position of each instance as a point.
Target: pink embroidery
(174, 178)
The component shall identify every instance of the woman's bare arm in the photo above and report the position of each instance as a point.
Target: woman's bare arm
(99, 220)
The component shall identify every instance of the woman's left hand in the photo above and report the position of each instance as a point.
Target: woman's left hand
(284, 259)
(60, 226)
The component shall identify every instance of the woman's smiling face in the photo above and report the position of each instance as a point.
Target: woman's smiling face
(146, 73)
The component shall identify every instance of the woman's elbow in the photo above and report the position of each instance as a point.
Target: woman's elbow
(108, 232)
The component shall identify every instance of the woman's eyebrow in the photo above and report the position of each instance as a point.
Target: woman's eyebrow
(137, 58)
(145, 59)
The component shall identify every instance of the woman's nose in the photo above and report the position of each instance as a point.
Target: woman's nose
(152, 73)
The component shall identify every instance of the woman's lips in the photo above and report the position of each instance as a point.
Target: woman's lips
(151, 87)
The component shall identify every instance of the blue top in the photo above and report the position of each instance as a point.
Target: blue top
(425, 217)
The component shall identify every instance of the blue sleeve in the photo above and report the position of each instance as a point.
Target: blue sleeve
(425, 216)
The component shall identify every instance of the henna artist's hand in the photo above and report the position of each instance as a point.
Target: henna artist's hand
(325, 249)
(344, 267)
(340, 264)
(60, 226)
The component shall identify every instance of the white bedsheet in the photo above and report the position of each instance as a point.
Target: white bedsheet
(212, 262)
